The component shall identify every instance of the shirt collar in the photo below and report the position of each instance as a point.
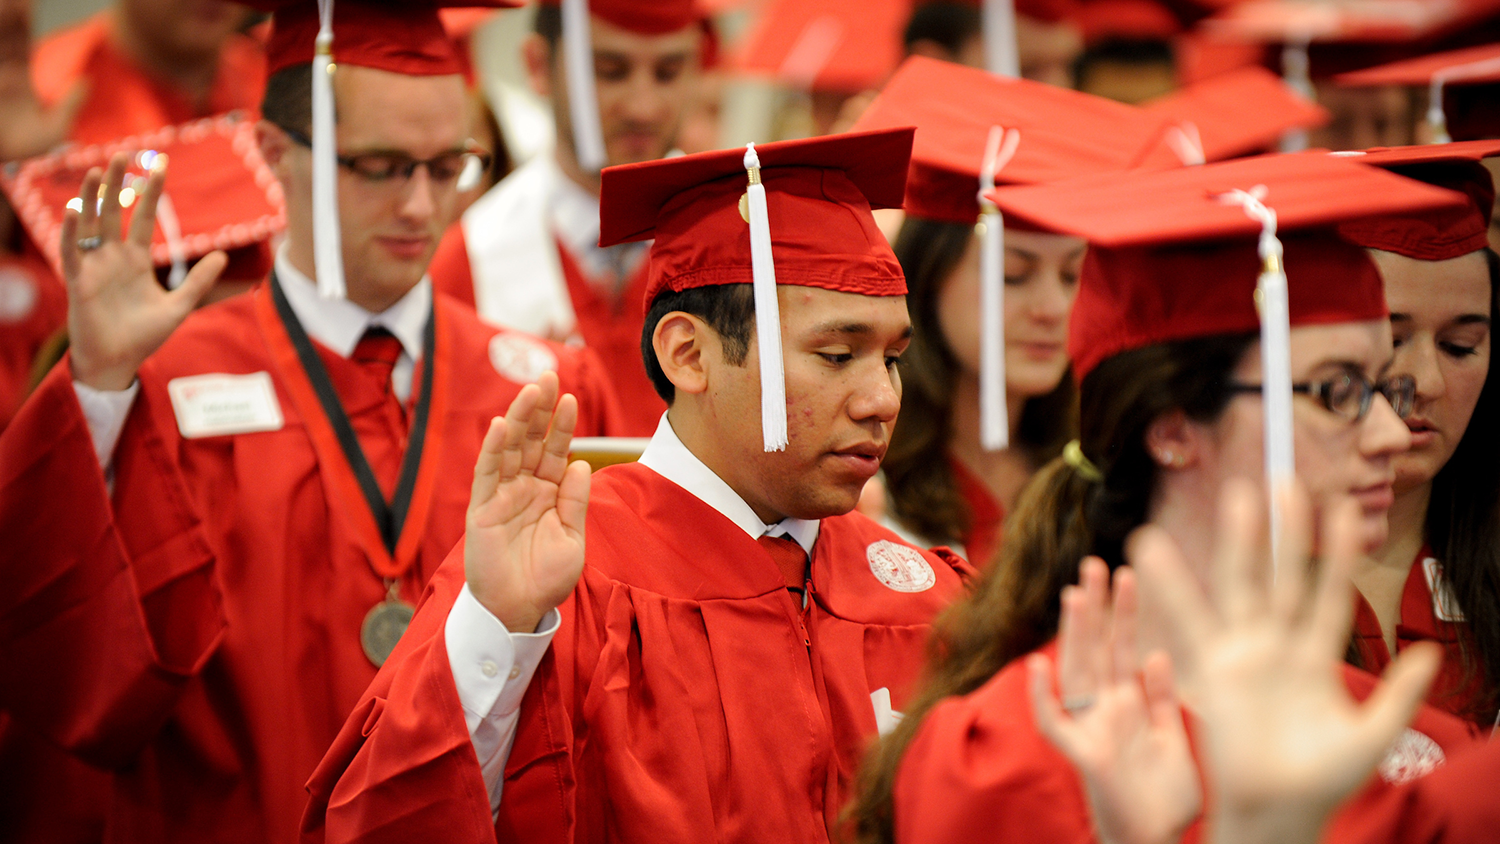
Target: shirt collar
(574, 211)
(339, 323)
(668, 457)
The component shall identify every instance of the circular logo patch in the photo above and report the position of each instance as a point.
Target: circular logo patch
(520, 358)
(17, 295)
(900, 567)
(1413, 755)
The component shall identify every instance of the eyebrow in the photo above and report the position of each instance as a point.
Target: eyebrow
(855, 328)
(1462, 319)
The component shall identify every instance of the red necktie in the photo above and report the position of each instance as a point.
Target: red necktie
(376, 355)
(790, 558)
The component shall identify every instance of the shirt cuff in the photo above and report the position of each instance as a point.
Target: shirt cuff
(492, 667)
(105, 412)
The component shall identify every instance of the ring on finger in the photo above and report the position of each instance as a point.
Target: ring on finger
(89, 244)
(1077, 704)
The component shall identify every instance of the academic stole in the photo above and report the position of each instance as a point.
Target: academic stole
(390, 534)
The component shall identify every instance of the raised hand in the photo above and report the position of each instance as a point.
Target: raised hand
(27, 127)
(118, 313)
(1122, 731)
(523, 549)
(1283, 740)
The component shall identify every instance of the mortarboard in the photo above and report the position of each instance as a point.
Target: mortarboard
(801, 215)
(1439, 71)
(1050, 134)
(1436, 234)
(221, 194)
(839, 46)
(1202, 251)
(1236, 113)
(400, 36)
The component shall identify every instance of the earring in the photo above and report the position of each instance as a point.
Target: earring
(1172, 459)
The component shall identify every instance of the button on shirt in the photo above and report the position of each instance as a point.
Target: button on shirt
(479, 646)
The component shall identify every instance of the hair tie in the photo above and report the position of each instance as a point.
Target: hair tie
(1073, 455)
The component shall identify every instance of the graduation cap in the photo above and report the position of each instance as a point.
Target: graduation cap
(976, 130)
(1235, 113)
(400, 36)
(790, 212)
(1222, 249)
(1433, 234)
(838, 46)
(657, 17)
(221, 194)
(1437, 72)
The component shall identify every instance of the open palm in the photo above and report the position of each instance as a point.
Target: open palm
(523, 549)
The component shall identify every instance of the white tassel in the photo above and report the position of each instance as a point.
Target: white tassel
(171, 229)
(767, 312)
(1437, 121)
(1001, 54)
(1185, 142)
(583, 102)
(1275, 353)
(994, 419)
(328, 253)
(1295, 72)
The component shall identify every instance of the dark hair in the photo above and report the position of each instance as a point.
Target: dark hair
(923, 492)
(1061, 517)
(548, 23)
(1139, 52)
(1463, 524)
(945, 23)
(729, 309)
(288, 99)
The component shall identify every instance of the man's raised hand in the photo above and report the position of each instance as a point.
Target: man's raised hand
(523, 548)
(27, 127)
(118, 313)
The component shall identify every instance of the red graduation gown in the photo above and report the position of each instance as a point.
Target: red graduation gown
(985, 516)
(685, 698)
(198, 631)
(611, 329)
(1423, 621)
(979, 763)
(33, 307)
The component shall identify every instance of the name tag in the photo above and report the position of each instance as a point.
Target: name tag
(886, 718)
(1444, 605)
(218, 405)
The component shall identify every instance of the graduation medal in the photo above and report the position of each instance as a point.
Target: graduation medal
(385, 623)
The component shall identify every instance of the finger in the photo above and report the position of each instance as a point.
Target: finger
(1239, 550)
(1161, 693)
(88, 203)
(109, 202)
(1175, 596)
(1076, 642)
(1123, 656)
(1332, 604)
(533, 445)
(1395, 701)
(199, 280)
(517, 421)
(559, 439)
(573, 497)
(1093, 574)
(1044, 707)
(1289, 586)
(487, 465)
(72, 261)
(143, 221)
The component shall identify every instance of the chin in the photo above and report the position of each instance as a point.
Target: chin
(1374, 530)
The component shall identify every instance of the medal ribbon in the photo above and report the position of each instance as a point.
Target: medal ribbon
(379, 525)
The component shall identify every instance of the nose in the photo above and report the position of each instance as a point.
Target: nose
(1418, 357)
(645, 100)
(1382, 433)
(418, 202)
(1052, 299)
(878, 395)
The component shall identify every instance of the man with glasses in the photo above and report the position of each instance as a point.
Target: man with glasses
(218, 523)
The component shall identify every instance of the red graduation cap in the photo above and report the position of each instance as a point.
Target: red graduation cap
(647, 17)
(840, 46)
(1435, 234)
(1236, 113)
(1441, 73)
(1062, 134)
(219, 194)
(800, 215)
(1203, 251)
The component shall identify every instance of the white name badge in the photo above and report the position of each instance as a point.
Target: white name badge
(217, 405)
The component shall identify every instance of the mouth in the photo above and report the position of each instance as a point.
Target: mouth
(1040, 351)
(862, 459)
(1422, 431)
(406, 248)
(1375, 497)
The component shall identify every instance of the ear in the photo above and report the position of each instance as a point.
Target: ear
(1173, 441)
(274, 143)
(536, 53)
(681, 342)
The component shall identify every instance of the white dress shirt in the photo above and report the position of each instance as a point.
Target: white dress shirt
(336, 323)
(574, 213)
(483, 654)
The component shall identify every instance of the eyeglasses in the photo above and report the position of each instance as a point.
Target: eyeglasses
(1349, 393)
(384, 167)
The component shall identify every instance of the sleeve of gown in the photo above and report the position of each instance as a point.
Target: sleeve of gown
(491, 670)
(405, 763)
(110, 604)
